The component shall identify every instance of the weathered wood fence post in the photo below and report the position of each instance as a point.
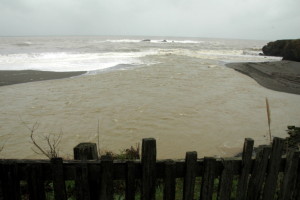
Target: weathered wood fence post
(148, 169)
(85, 188)
(86, 151)
(290, 175)
(35, 180)
(190, 175)
(226, 178)
(275, 159)
(59, 185)
(130, 181)
(106, 178)
(246, 167)
(10, 182)
(169, 180)
(258, 173)
(208, 178)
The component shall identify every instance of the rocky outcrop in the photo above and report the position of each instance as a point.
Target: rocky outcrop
(287, 49)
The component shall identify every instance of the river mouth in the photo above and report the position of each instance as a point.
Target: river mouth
(196, 108)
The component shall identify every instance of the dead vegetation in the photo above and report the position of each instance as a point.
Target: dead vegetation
(47, 145)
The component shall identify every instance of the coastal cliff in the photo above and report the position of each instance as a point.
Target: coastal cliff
(287, 49)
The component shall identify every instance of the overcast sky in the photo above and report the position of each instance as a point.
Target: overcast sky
(240, 19)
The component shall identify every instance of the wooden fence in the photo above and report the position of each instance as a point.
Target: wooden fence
(267, 176)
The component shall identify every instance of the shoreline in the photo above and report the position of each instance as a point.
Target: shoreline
(282, 76)
(11, 77)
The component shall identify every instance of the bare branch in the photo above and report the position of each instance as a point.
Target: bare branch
(52, 142)
(35, 143)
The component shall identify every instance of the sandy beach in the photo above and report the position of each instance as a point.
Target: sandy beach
(281, 76)
(23, 76)
(208, 109)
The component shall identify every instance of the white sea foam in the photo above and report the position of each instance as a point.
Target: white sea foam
(63, 61)
(152, 41)
(123, 41)
(223, 55)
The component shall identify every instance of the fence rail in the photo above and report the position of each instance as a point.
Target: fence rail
(269, 175)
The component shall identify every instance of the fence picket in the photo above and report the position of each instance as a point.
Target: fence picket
(208, 178)
(106, 182)
(35, 182)
(169, 180)
(10, 181)
(59, 185)
(246, 167)
(190, 175)
(258, 174)
(94, 179)
(81, 182)
(226, 180)
(290, 175)
(296, 194)
(275, 158)
(148, 169)
(130, 181)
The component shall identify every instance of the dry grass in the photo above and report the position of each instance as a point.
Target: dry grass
(269, 118)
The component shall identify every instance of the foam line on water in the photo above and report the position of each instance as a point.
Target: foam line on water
(64, 61)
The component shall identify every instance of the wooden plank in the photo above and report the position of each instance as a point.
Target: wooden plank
(273, 169)
(290, 175)
(106, 182)
(258, 174)
(226, 179)
(59, 185)
(208, 178)
(94, 179)
(246, 167)
(120, 168)
(36, 182)
(81, 182)
(148, 169)
(190, 175)
(169, 180)
(296, 193)
(130, 181)
(10, 182)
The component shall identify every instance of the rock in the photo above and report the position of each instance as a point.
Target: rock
(164, 41)
(146, 40)
(288, 49)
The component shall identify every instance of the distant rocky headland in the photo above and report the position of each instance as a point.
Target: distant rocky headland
(287, 49)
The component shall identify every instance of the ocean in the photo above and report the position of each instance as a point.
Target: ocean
(97, 54)
(176, 90)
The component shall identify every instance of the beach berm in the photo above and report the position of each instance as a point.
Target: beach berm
(283, 76)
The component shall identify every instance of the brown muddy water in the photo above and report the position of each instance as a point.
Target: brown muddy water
(205, 109)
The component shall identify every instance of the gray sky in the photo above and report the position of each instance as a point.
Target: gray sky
(244, 19)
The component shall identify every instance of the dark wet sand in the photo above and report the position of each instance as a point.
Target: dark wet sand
(283, 76)
(14, 77)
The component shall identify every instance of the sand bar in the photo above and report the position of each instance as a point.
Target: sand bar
(8, 77)
(283, 76)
